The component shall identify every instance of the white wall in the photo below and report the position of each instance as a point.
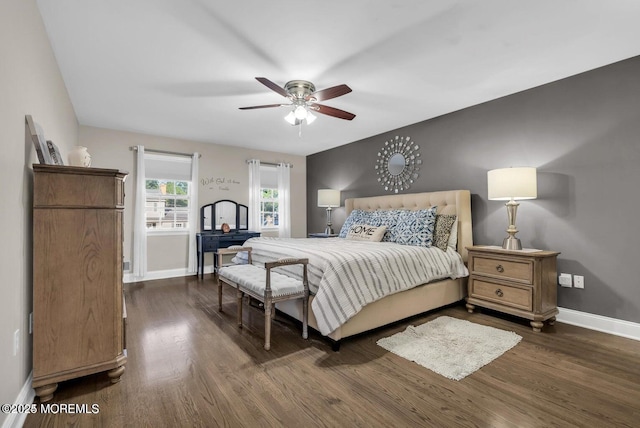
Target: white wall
(30, 83)
(224, 174)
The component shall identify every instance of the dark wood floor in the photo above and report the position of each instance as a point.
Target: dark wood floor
(190, 366)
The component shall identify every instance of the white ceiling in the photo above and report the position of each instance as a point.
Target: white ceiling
(181, 68)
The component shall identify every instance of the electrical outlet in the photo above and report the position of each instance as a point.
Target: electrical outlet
(578, 281)
(126, 265)
(565, 280)
(16, 342)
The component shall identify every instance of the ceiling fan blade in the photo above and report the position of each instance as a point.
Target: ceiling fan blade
(274, 87)
(333, 92)
(331, 111)
(264, 106)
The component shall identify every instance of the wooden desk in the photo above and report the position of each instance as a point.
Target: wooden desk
(209, 242)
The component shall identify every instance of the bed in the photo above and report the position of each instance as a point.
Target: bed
(386, 306)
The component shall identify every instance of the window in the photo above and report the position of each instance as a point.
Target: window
(269, 208)
(269, 197)
(168, 192)
(167, 206)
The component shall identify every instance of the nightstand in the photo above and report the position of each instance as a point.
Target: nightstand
(520, 283)
(323, 235)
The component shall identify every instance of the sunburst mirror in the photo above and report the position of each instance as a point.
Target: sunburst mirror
(398, 164)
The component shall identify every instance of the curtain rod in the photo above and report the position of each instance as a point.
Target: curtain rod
(166, 152)
(270, 163)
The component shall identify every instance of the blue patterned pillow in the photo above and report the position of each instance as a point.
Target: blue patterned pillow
(408, 227)
(354, 218)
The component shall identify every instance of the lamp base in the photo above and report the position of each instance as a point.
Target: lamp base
(511, 243)
(328, 230)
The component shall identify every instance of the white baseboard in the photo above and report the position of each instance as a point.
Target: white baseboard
(614, 326)
(26, 396)
(162, 274)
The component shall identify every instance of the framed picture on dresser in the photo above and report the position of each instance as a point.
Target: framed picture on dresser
(38, 140)
(54, 153)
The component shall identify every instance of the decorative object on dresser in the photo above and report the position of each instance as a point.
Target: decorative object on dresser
(222, 224)
(38, 140)
(398, 164)
(520, 283)
(54, 152)
(328, 198)
(449, 346)
(511, 184)
(78, 304)
(79, 156)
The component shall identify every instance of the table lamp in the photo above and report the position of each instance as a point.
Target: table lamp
(512, 184)
(328, 198)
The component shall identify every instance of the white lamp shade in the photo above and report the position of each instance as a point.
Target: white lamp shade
(517, 183)
(328, 198)
(291, 118)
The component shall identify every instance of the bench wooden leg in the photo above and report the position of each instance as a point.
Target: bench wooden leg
(219, 295)
(268, 308)
(305, 317)
(239, 295)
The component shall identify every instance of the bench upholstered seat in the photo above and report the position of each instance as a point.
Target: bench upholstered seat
(251, 277)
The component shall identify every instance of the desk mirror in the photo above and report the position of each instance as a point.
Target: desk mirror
(213, 216)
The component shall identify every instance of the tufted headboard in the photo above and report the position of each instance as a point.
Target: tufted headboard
(456, 202)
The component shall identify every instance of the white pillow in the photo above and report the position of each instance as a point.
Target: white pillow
(453, 237)
(365, 232)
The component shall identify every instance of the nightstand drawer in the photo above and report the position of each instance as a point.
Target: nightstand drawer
(521, 271)
(517, 297)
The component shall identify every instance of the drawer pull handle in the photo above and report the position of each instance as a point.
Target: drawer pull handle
(499, 268)
(499, 293)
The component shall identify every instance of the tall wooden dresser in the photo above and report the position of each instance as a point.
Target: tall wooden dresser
(78, 306)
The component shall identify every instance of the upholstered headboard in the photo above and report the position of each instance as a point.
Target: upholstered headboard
(456, 202)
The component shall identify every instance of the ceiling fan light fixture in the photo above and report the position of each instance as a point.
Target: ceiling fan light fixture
(310, 118)
(291, 118)
(300, 112)
(303, 97)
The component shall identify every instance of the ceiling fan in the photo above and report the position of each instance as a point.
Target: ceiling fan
(304, 98)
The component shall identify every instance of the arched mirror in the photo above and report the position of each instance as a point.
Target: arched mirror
(243, 217)
(225, 212)
(213, 216)
(206, 214)
(398, 164)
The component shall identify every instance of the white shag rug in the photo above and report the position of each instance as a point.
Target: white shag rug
(451, 347)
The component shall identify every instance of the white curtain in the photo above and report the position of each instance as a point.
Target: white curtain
(193, 214)
(284, 196)
(139, 259)
(254, 195)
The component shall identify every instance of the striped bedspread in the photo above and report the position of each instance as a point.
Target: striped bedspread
(346, 275)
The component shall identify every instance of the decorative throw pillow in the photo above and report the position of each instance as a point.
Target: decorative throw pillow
(354, 217)
(453, 238)
(359, 217)
(366, 232)
(408, 227)
(442, 230)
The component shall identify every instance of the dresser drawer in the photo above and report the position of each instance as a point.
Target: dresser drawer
(508, 295)
(516, 270)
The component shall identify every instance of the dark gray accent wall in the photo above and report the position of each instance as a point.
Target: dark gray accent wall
(583, 135)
